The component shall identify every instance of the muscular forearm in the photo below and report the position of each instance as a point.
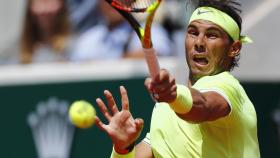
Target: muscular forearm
(206, 106)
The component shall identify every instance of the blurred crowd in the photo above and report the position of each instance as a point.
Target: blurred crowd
(88, 30)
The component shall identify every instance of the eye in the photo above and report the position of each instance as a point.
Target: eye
(212, 35)
(193, 32)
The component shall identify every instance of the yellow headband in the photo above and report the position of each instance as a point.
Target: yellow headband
(221, 19)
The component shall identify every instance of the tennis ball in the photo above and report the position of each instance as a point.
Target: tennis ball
(82, 114)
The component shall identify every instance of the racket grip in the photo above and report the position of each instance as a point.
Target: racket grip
(152, 61)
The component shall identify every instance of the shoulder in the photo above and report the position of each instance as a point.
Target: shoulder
(226, 85)
(224, 79)
(225, 76)
(223, 83)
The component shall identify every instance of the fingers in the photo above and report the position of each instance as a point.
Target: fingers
(111, 102)
(148, 84)
(103, 109)
(162, 82)
(139, 124)
(162, 77)
(154, 84)
(100, 124)
(125, 115)
(124, 97)
(163, 87)
(168, 95)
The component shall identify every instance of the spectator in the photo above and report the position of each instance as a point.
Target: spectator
(113, 38)
(46, 35)
(83, 14)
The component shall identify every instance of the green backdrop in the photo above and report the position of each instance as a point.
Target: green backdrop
(18, 101)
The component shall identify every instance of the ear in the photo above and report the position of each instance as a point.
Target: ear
(235, 49)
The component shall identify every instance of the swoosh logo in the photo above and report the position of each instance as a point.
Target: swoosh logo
(202, 12)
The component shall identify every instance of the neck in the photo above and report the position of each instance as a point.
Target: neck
(193, 80)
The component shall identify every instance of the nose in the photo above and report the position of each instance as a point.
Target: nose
(200, 43)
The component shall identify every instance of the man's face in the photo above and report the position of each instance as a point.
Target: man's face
(45, 12)
(207, 48)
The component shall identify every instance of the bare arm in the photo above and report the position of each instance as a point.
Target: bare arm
(143, 150)
(206, 106)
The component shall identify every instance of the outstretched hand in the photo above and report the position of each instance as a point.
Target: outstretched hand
(122, 128)
(162, 87)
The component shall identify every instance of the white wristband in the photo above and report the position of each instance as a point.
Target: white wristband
(183, 102)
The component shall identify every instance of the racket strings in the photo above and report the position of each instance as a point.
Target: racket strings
(135, 4)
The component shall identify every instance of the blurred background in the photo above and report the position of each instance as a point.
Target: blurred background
(53, 52)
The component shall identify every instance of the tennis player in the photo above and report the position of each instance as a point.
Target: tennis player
(211, 117)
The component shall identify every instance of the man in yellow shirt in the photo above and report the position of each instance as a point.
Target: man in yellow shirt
(212, 117)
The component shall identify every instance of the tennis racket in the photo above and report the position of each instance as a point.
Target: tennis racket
(125, 8)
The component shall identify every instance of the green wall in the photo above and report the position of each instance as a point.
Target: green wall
(266, 98)
(18, 101)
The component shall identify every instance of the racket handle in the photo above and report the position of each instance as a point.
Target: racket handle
(152, 61)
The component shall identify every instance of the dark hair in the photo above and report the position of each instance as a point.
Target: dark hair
(31, 33)
(231, 8)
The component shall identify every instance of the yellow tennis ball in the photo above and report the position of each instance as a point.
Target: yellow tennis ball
(82, 114)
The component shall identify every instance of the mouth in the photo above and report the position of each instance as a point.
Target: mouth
(200, 60)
